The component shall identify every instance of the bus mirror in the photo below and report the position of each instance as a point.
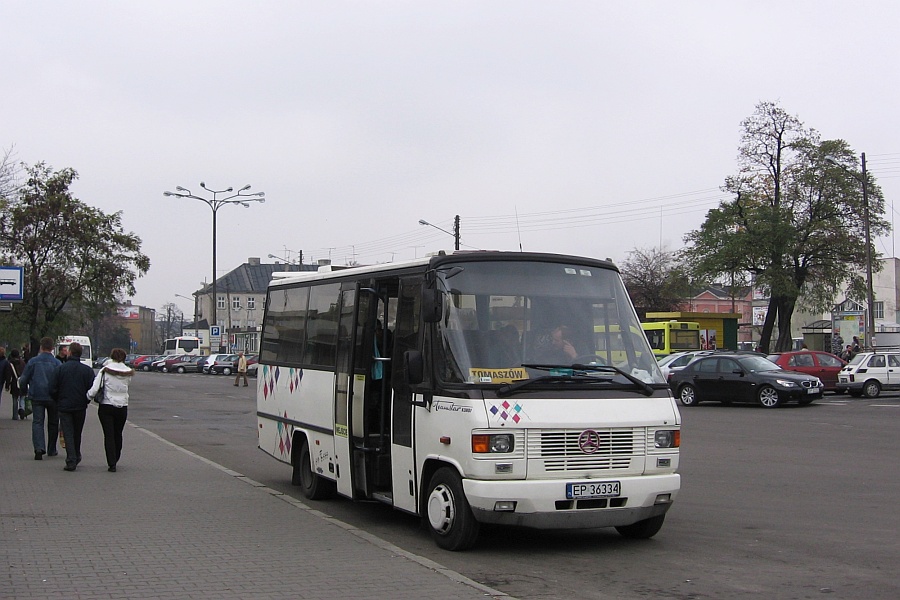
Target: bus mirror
(432, 305)
(414, 366)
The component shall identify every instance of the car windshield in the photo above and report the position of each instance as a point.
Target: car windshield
(507, 321)
(758, 363)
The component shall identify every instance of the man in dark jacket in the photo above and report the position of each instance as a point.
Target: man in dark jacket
(39, 383)
(75, 379)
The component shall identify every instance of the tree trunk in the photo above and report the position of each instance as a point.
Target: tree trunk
(765, 336)
(785, 341)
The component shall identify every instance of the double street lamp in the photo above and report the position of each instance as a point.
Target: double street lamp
(196, 326)
(455, 233)
(863, 179)
(215, 203)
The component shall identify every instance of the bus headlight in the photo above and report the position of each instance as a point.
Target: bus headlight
(494, 443)
(666, 438)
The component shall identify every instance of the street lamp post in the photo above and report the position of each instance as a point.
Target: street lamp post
(455, 233)
(196, 327)
(863, 178)
(215, 203)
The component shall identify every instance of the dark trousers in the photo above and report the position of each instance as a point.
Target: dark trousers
(72, 424)
(44, 410)
(112, 420)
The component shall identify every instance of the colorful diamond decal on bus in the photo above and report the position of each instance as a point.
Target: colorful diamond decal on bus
(508, 412)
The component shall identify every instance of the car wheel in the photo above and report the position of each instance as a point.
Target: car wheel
(449, 516)
(181, 369)
(642, 530)
(145, 368)
(872, 389)
(311, 484)
(768, 396)
(226, 371)
(688, 395)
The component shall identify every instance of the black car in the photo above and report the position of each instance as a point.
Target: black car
(739, 377)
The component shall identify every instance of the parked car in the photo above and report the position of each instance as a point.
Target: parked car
(209, 362)
(679, 360)
(736, 377)
(184, 363)
(129, 359)
(144, 363)
(226, 364)
(868, 373)
(823, 365)
(102, 360)
(160, 362)
(252, 365)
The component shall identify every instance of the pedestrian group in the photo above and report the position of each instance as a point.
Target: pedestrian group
(56, 391)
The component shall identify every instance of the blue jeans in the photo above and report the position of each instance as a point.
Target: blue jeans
(42, 408)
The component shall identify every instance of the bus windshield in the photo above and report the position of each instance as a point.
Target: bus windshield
(502, 320)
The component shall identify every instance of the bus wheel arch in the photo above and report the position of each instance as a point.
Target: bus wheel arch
(446, 510)
(313, 485)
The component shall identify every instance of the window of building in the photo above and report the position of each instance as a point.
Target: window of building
(251, 303)
(235, 303)
(878, 309)
(220, 302)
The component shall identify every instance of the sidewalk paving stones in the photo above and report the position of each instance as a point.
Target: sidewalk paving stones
(170, 524)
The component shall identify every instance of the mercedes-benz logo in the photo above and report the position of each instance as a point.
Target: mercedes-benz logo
(589, 441)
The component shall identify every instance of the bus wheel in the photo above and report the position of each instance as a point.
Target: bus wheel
(312, 485)
(642, 530)
(688, 395)
(452, 524)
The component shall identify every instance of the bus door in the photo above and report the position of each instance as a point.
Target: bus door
(347, 385)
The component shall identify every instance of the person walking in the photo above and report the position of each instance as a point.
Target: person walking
(75, 379)
(114, 379)
(15, 366)
(241, 369)
(3, 363)
(39, 382)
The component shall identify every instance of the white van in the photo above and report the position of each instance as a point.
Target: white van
(87, 356)
(868, 373)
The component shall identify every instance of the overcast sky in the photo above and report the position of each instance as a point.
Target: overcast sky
(588, 128)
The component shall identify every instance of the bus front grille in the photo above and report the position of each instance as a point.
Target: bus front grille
(560, 450)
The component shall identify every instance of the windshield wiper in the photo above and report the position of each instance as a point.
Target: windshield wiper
(510, 388)
(643, 386)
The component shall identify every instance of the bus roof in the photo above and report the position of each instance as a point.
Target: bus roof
(326, 272)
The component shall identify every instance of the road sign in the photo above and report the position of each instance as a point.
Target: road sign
(215, 331)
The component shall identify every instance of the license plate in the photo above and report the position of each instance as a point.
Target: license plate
(593, 489)
(812, 391)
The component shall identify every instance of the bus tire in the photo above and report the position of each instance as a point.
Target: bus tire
(642, 530)
(688, 395)
(311, 484)
(449, 516)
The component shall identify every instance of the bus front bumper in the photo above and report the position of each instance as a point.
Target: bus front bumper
(543, 504)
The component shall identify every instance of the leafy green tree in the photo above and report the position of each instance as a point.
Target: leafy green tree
(77, 259)
(655, 280)
(795, 223)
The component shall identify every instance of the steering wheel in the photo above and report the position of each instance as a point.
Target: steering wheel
(589, 359)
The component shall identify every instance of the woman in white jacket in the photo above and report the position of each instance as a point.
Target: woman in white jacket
(114, 378)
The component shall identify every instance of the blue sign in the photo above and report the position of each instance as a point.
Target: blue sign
(215, 331)
(11, 284)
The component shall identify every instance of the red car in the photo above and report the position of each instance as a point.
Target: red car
(823, 365)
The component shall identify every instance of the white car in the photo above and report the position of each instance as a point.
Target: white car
(868, 373)
(679, 360)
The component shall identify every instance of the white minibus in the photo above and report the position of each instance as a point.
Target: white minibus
(182, 344)
(87, 356)
(468, 389)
